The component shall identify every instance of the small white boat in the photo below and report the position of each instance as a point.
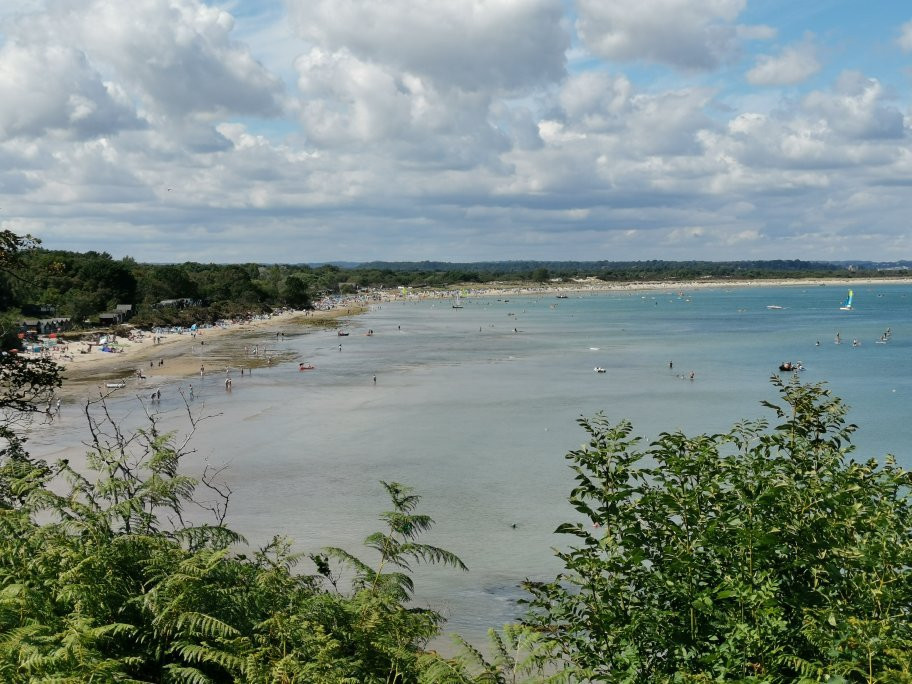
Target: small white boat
(115, 385)
(599, 369)
(773, 306)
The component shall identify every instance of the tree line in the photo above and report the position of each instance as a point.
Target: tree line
(81, 285)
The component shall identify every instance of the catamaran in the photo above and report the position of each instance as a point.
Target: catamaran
(847, 304)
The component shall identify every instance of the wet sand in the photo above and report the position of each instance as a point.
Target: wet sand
(178, 356)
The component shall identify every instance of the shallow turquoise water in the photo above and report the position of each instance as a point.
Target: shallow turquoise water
(477, 417)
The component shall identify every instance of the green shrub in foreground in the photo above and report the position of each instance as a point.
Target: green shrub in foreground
(107, 582)
(757, 555)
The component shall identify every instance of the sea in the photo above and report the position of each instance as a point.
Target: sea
(476, 407)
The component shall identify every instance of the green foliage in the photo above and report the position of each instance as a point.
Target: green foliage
(754, 555)
(82, 285)
(78, 285)
(103, 578)
(519, 654)
(540, 275)
(296, 292)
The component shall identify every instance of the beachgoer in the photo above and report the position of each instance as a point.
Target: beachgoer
(691, 375)
(670, 365)
(375, 379)
(202, 370)
(340, 347)
(58, 407)
(191, 391)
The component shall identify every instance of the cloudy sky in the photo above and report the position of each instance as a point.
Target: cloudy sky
(458, 130)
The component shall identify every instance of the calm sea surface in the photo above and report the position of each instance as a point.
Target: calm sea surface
(477, 417)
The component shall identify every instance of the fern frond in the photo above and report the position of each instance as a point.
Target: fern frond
(187, 675)
(205, 625)
(196, 653)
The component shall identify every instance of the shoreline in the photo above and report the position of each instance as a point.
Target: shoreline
(595, 285)
(168, 356)
(179, 355)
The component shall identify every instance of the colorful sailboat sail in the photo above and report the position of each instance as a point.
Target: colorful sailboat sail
(847, 304)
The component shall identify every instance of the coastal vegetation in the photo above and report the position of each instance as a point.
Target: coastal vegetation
(104, 578)
(765, 553)
(81, 286)
(762, 554)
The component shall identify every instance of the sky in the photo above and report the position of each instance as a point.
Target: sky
(458, 130)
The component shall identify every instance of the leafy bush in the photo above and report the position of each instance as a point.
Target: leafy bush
(755, 555)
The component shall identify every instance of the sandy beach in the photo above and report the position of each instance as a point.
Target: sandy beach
(168, 356)
(165, 356)
(592, 284)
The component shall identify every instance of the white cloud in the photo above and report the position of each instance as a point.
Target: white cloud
(687, 34)
(424, 81)
(793, 65)
(905, 37)
(53, 89)
(347, 102)
(597, 100)
(177, 53)
(756, 32)
(646, 124)
(435, 130)
(504, 45)
(857, 109)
